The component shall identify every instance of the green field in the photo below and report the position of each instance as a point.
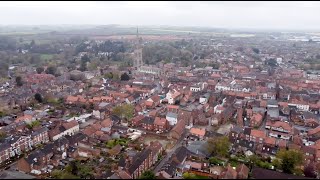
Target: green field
(46, 56)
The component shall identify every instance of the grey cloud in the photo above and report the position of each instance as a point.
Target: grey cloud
(271, 15)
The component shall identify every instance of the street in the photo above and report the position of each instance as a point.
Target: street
(12, 166)
(166, 159)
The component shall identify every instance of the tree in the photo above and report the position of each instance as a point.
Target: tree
(51, 70)
(125, 77)
(83, 66)
(108, 75)
(3, 135)
(58, 174)
(148, 175)
(289, 159)
(33, 124)
(19, 81)
(187, 175)
(219, 146)
(38, 97)
(115, 76)
(32, 43)
(256, 50)
(2, 114)
(276, 163)
(310, 171)
(124, 111)
(39, 70)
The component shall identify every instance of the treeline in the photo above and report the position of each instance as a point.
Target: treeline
(154, 53)
(7, 43)
(113, 47)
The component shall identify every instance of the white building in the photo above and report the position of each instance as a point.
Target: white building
(303, 107)
(172, 118)
(71, 128)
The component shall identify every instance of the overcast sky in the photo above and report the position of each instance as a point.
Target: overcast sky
(262, 15)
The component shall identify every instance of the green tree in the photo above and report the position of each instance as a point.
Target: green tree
(148, 175)
(289, 159)
(128, 111)
(115, 76)
(124, 111)
(2, 114)
(125, 77)
(187, 175)
(276, 163)
(33, 124)
(51, 70)
(256, 50)
(219, 146)
(38, 97)
(58, 174)
(32, 43)
(39, 70)
(108, 75)
(19, 81)
(3, 135)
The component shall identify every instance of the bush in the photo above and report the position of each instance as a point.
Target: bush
(216, 161)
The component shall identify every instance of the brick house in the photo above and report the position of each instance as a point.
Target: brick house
(256, 120)
(157, 149)
(36, 161)
(173, 108)
(178, 129)
(140, 163)
(257, 136)
(155, 99)
(198, 132)
(148, 123)
(160, 124)
(136, 121)
(243, 171)
(65, 128)
(40, 136)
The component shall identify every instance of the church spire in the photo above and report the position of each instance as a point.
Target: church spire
(137, 33)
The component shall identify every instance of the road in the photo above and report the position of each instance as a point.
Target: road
(169, 154)
(264, 122)
(12, 165)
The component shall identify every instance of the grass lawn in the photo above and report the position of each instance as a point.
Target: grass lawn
(46, 56)
(200, 177)
(113, 142)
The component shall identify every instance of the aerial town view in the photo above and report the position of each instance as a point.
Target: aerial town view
(159, 90)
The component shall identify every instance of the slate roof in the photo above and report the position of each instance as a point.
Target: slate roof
(148, 120)
(138, 160)
(260, 173)
(39, 131)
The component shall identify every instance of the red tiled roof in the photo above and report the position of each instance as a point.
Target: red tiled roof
(197, 131)
(23, 118)
(160, 121)
(70, 124)
(172, 107)
(149, 103)
(72, 99)
(270, 141)
(258, 133)
(314, 131)
(106, 123)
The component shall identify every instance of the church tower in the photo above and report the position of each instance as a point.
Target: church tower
(137, 61)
